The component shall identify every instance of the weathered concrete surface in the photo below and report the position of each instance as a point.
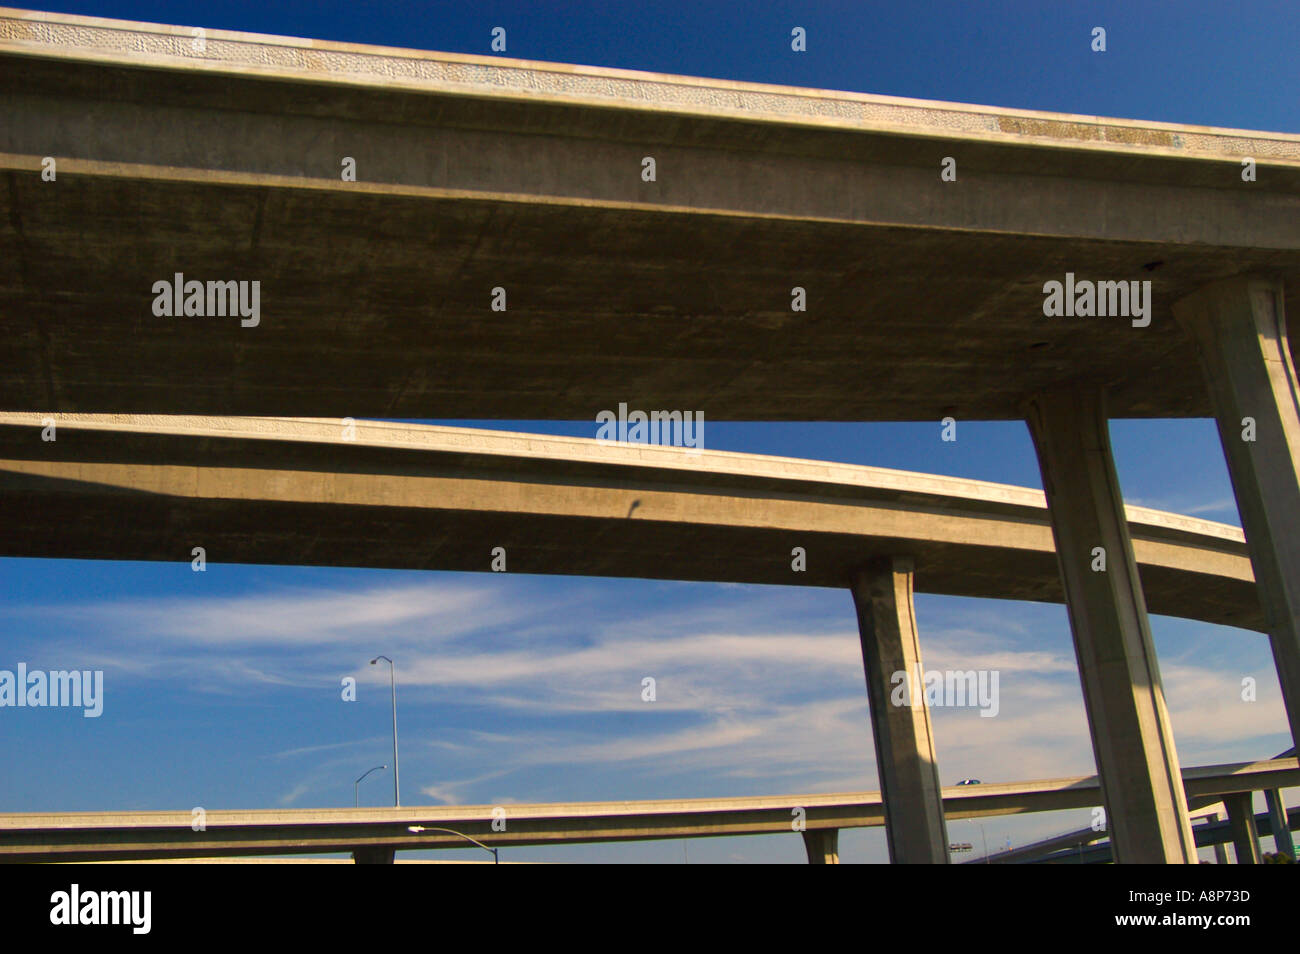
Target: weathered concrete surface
(1278, 822)
(1241, 333)
(1132, 738)
(822, 846)
(97, 836)
(1245, 833)
(265, 490)
(924, 297)
(906, 763)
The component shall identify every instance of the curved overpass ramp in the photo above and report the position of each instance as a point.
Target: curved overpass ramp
(309, 492)
(133, 835)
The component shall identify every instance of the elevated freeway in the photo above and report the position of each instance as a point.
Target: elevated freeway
(220, 156)
(433, 235)
(322, 492)
(105, 836)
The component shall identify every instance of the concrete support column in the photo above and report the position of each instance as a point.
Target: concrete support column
(374, 855)
(1220, 852)
(822, 845)
(1146, 809)
(1240, 330)
(905, 758)
(1277, 820)
(1245, 836)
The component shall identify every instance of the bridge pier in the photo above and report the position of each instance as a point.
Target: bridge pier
(822, 845)
(374, 855)
(1240, 331)
(1245, 834)
(1132, 739)
(904, 739)
(1278, 822)
(1220, 852)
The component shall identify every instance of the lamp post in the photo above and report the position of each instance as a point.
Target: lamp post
(983, 837)
(417, 829)
(356, 786)
(392, 675)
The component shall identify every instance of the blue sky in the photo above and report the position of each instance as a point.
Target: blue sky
(222, 688)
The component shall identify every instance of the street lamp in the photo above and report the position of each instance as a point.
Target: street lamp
(356, 786)
(392, 676)
(984, 837)
(417, 829)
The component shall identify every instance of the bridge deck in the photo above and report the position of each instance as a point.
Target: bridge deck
(268, 490)
(97, 836)
(223, 161)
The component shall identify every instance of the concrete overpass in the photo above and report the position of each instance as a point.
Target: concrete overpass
(479, 181)
(1089, 847)
(274, 490)
(222, 160)
(373, 834)
(1240, 828)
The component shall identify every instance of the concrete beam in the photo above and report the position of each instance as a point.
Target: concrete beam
(1245, 834)
(1240, 330)
(225, 165)
(822, 845)
(904, 738)
(1131, 735)
(276, 490)
(160, 835)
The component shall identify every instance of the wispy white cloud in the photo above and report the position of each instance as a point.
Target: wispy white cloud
(317, 749)
(1223, 507)
(296, 792)
(756, 688)
(310, 617)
